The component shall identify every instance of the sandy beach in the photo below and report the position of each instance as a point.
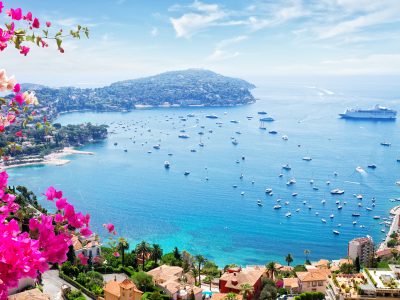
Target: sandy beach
(56, 158)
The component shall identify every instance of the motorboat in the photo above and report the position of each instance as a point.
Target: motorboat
(277, 207)
(287, 167)
(336, 232)
(166, 164)
(355, 214)
(331, 216)
(337, 192)
(183, 136)
(294, 194)
(307, 158)
(156, 146)
(377, 217)
(373, 166)
(268, 191)
(323, 220)
(186, 173)
(288, 214)
(386, 144)
(291, 182)
(272, 132)
(285, 137)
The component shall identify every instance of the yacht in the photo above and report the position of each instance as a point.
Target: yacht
(267, 119)
(272, 132)
(183, 136)
(355, 214)
(288, 214)
(262, 113)
(277, 207)
(166, 164)
(307, 158)
(286, 167)
(376, 113)
(337, 192)
(323, 220)
(211, 117)
(336, 232)
(186, 173)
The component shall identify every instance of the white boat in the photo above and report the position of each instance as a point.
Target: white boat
(323, 201)
(359, 196)
(386, 144)
(294, 194)
(287, 203)
(398, 183)
(311, 181)
(337, 192)
(339, 207)
(268, 191)
(332, 216)
(323, 220)
(369, 209)
(259, 203)
(166, 164)
(354, 222)
(288, 214)
(355, 214)
(285, 138)
(360, 170)
(242, 193)
(291, 182)
(377, 217)
(277, 207)
(328, 182)
(336, 232)
(376, 113)
(211, 117)
(297, 210)
(307, 158)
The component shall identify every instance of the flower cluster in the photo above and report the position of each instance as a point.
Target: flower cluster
(24, 254)
(22, 29)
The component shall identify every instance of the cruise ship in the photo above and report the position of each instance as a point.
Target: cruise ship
(376, 113)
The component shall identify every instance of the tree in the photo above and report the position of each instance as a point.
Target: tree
(122, 246)
(246, 289)
(156, 253)
(71, 254)
(357, 264)
(271, 268)
(143, 281)
(200, 260)
(209, 278)
(347, 268)
(307, 252)
(269, 291)
(155, 296)
(231, 296)
(177, 254)
(142, 249)
(289, 259)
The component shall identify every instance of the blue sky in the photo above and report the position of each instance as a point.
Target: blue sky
(248, 39)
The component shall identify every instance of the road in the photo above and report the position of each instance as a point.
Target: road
(395, 211)
(52, 285)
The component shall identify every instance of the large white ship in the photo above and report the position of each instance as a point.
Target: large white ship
(376, 113)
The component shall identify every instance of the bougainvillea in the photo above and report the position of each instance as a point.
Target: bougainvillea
(28, 252)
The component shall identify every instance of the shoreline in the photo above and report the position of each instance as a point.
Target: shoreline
(55, 158)
(394, 211)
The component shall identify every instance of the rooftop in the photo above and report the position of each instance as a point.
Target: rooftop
(34, 294)
(313, 275)
(248, 275)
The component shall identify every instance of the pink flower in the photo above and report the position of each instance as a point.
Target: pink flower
(60, 203)
(15, 14)
(48, 24)
(28, 17)
(83, 259)
(52, 193)
(116, 254)
(17, 88)
(110, 227)
(1, 6)
(24, 50)
(58, 218)
(36, 23)
(19, 99)
(85, 232)
(18, 133)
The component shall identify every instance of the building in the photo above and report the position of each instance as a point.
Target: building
(231, 281)
(292, 285)
(313, 280)
(89, 246)
(125, 290)
(363, 248)
(174, 283)
(34, 294)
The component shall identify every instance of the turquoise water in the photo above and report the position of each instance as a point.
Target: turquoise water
(134, 191)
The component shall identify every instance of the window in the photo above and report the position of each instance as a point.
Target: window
(320, 283)
(314, 283)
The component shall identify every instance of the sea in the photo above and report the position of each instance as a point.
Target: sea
(213, 211)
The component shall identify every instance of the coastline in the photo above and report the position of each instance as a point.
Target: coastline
(394, 211)
(55, 158)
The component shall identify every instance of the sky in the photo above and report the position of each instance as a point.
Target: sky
(248, 39)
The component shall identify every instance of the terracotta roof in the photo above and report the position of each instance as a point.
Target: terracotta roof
(322, 263)
(76, 243)
(165, 273)
(34, 294)
(221, 296)
(114, 287)
(290, 282)
(313, 275)
(384, 252)
(248, 275)
(345, 261)
(127, 284)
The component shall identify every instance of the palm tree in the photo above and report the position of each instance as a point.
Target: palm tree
(194, 273)
(156, 252)
(271, 268)
(246, 289)
(307, 253)
(210, 277)
(200, 261)
(141, 249)
(122, 246)
(289, 259)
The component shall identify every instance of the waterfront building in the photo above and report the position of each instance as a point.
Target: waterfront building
(125, 290)
(89, 246)
(313, 280)
(232, 279)
(292, 285)
(363, 248)
(174, 283)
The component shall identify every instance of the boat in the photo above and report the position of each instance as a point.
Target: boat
(235, 142)
(376, 113)
(285, 137)
(286, 167)
(193, 150)
(277, 207)
(377, 217)
(373, 166)
(183, 136)
(323, 201)
(201, 144)
(307, 158)
(262, 113)
(337, 192)
(369, 209)
(186, 173)
(311, 181)
(359, 196)
(268, 191)
(294, 194)
(288, 214)
(328, 182)
(234, 186)
(259, 203)
(336, 232)
(332, 216)
(267, 119)
(125, 150)
(339, 207)
(242, 193)
(323, 220)
(398, 182)
(354, 222)
(115, 144)
(190, 115)
(386, 144)
(272, 132)
(234, 121)
(211, 117)
(166, 164)
(156, 146)
(291, 181)
(355, 214)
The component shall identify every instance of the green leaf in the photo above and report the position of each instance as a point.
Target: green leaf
(59, 42)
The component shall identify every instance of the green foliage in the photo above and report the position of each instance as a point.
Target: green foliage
(74, 295)
(289, 259)
(231, 296)
(92, 280)
(299, 268)
(210, 268)
(171, 260)
(383, 265)
(392, 243)
(310, 296)
(143, 281)
(347, 269)
(70, 270)
(269, 290)
(150, 265)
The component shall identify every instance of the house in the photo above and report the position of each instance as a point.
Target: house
(125, 290)
(174, 283)
(313, 280)
(34, 294)
(222, 296)
(363, 248)
(322, 264)
(292, 285)
(89, 246)
(231, 281)
(23, 284)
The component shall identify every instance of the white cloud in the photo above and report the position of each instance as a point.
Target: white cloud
(154, 31)
(220, 53)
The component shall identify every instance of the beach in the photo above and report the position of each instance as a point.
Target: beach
(55, 158)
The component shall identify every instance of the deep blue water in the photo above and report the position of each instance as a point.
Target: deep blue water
(145, 201)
